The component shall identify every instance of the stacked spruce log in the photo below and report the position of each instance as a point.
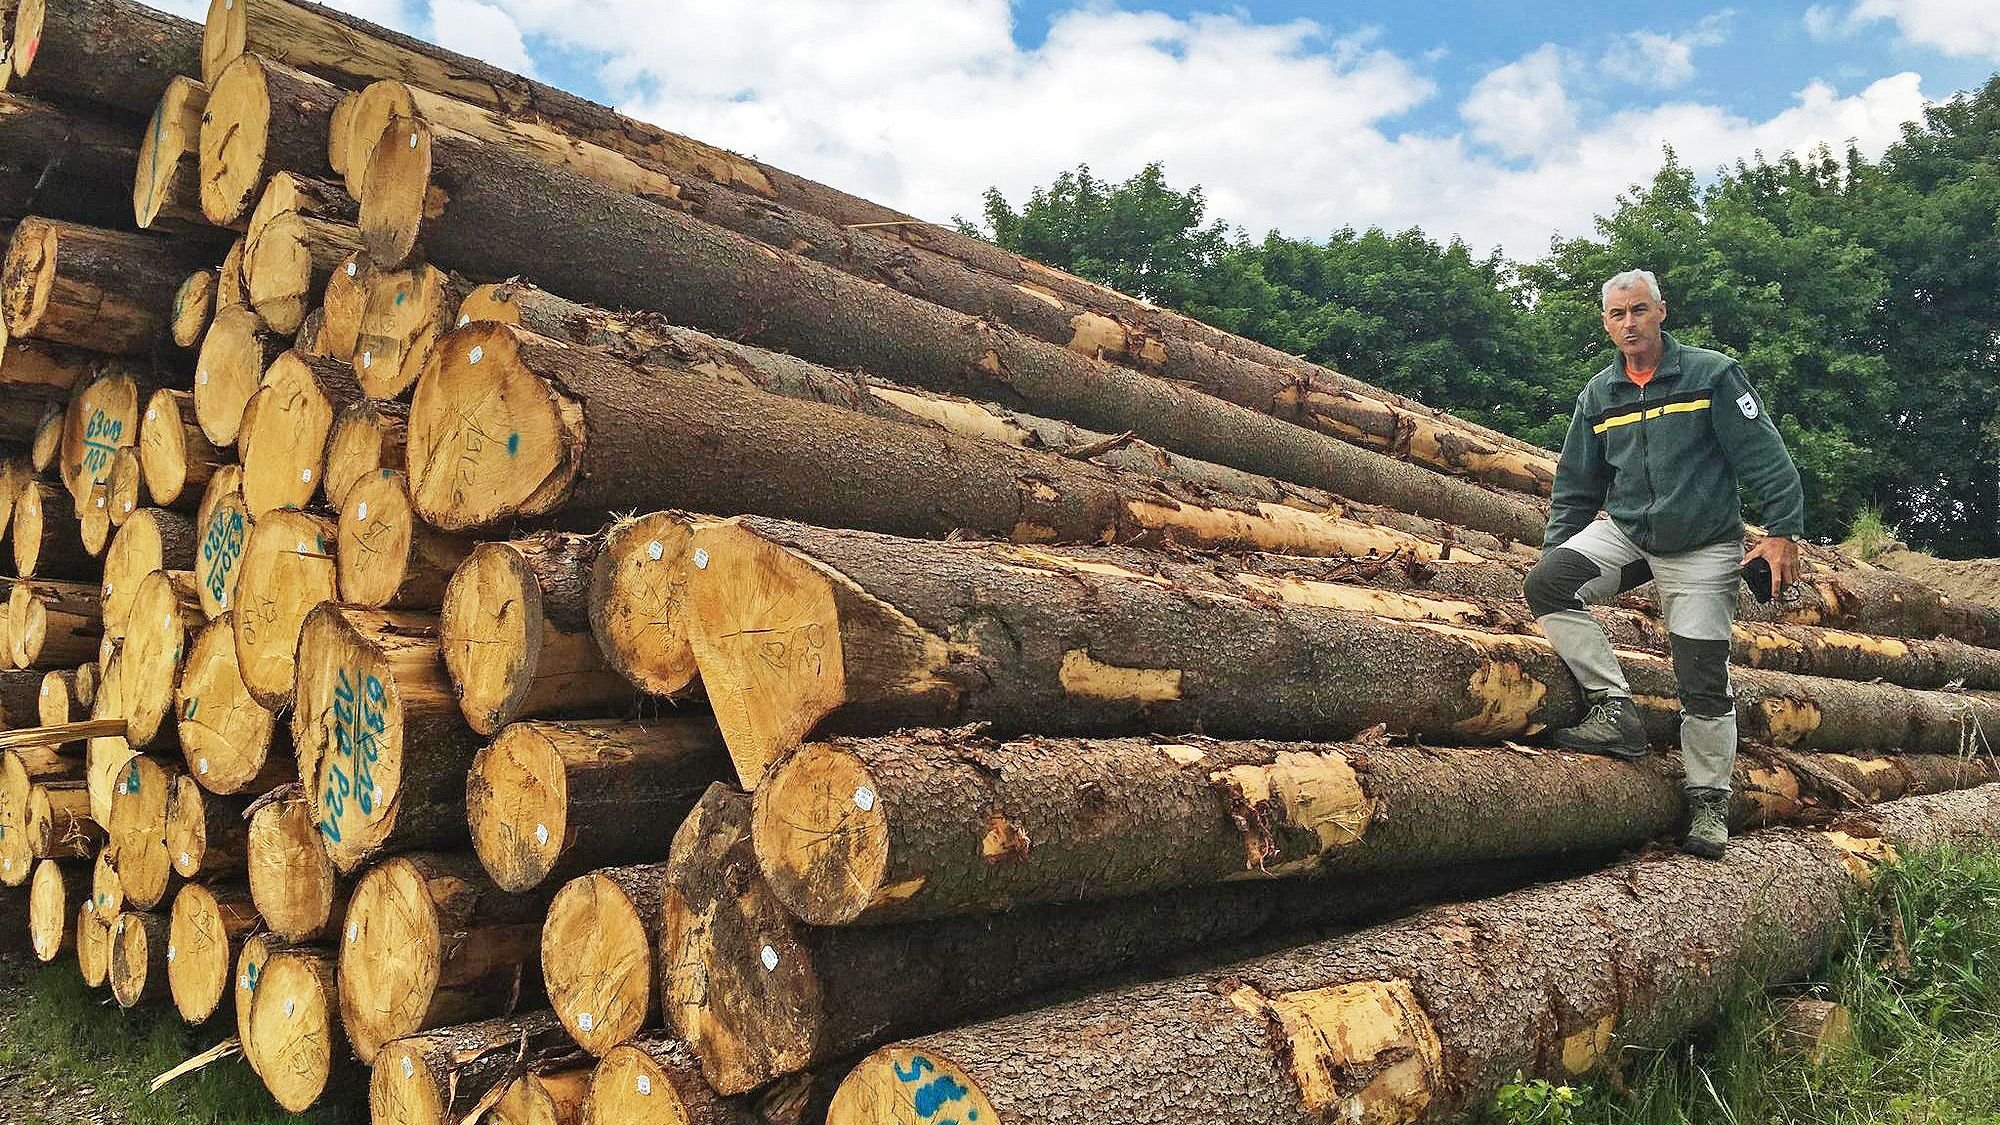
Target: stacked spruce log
(1047, 676)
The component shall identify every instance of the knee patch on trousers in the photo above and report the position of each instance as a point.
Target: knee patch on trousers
(1553, 582)
(1701, 669)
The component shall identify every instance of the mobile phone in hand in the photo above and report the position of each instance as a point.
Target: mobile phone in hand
(1757, 576)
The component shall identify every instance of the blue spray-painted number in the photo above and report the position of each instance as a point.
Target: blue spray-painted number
(359, 719)
(220, 547)
(934, 1091)
(100, 441)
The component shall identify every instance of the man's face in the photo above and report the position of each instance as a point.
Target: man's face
(1632, 318)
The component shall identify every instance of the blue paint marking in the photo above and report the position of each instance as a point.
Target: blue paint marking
(132, 780)
(399, 297)
(220, 548)
(192, 705)
(359, 719)
(936, 1094)
(919, 1066)
(100, 441)
(513, 443)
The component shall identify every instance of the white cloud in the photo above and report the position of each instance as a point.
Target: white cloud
(1664, 61)
(1521, 108)
(1959, 28)
(482, 31)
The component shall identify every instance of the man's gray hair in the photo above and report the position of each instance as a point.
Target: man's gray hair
(1627, 280)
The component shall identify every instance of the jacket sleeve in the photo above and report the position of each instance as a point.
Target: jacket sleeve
(1757, 451)
(1582, 478)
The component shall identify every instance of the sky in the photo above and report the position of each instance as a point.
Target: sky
(1502, 122)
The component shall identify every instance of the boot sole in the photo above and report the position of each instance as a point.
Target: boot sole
(1701, 849)
(1622, 753)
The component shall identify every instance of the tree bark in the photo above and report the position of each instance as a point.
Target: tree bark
(800, 630)
(233, 357)
(297, 1026)
(175, 457)
(287, 568)
(927, 825)
(432, 943)
(138, 958)
(502, 211)
(63, 163)
(103, 290)
(54, 624)
(292, 882)
(387, 558)
(555, 799)
(111, 52)
(403, 314)
(225, 734)
(367, 438)
(166, 184)
(207, 836)
(205, 934)
(262, 118)
(381, 747)
(38, 371)
(516, 634)
(439, 1076)
(281, 440)
(656, 1077)
(597, 954)
(1420, 1020)
(588, 433)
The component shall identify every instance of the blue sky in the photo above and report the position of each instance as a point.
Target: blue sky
(1506, 123)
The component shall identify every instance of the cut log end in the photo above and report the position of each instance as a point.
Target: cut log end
(204, 934)
(403, 316)
(369, 114)
(655, 1080)
(597, 956)
(167, 176)
(56, 701)
(386, 556)
(227, 369)
(902, 1086)
(223, 35)
(102, 419)
(224, 524)
(51, 930)
(403, 1089)
(235, 138)
(93, 943)
(822, 834)
(278, 272)
(163, 609)
(491, 627)
(47, 444)
(546, 1098)
(517, 805)
(291, 880)
(389, 956)
(287, 569)
(225, 734)
(282, 437)
(348, 732)
(295, 1024)
(174, 455)
(638, 602)
(29, 274)
(367, 438)
(488, 438)
(124, 490)
(152, 539)
(194, 304)
(138, 831)
(399, 181)
(257, 949)
(344, 300)
(138, 967)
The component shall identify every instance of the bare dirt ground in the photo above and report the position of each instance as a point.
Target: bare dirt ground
(1975, 580)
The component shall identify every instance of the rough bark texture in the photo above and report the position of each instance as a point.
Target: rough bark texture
(875, 633)
(553, 799)
(505, 216)
(931, 824)
(103, 290)
(111, 52)
(1420, 1020)
(54, 624)
(436, 1077)
(63, 163)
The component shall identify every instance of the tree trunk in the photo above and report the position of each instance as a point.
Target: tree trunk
(138, 958)
(151, 540)
(262, 118)
(292, 882)
(112, 52)
(166, 185)
(287, 568)
(63, 163)
(402, 316)
(164, 611)
(800, 630)
(54, 624)
(588, 433)
(550, 800)
(381, 747)
(387, 558)
(638, 586)
(648, 338)
(46, 540)
(759, 995)
(367, 439)
(301, 230)
(282, 437)
(37, 369)
(206, 933)
(516, 634)
(1420, 1020)
(233, 357)
(502, 212)
(655, 1077)
(930, 825)
(439, 1076)
(103, 290)
(225, 525)
(431, 943)
(225, 734)
(51, 908)
(597, 954)
(175, 457)
(206, 835)
(297, 1028)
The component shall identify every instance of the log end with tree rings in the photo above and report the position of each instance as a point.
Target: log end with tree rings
(235, 140)
(282, 438)
(655, 1080)
(106, 890)
(287, 569)
(47, 444)
(398, 192)
(296, 1025)
(27, 276)
(93, 519)
(84, 685)
(41, 513)
(821, 832)
(891, 1085)
(367, 438)
(175, 457)
(597, 954)
(638, 602)
(492, 630)
(248, 973)
(56, 822)
(124, 490)
(164, 609)
(282, 266)
(167, 178)
(93, 943)
(205, 931)
(291, 880)
(51, 911)
(545, 1097)
(102, 418)
(224, 525)
(138, 831)
(225, 734)
(56, 699)
(224, 34)
(106, 755)
(405, 313)
(153, 539)
(206, 836)
(387, 556)
(229, 282)
(194, 304)
(517, 805)
(489, 439)
(369, 114)
(232, 359)
(138, 958)
(344, 300)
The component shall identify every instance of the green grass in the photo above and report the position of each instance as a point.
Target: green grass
(1920, 972)
(1870, 535)
(69, 1050)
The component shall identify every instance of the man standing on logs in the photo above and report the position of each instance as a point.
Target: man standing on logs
(1660, 439)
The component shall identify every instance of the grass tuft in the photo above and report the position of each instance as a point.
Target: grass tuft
(1870, 536)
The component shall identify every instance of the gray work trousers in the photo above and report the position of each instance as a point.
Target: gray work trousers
(1698, 598)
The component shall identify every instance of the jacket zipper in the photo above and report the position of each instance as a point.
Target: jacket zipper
(1646, 459)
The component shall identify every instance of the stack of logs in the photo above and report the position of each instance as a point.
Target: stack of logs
(1044, 659)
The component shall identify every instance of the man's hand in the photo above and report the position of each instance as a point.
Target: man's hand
(1783, 555)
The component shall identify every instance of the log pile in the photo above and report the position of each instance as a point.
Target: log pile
(583, 685)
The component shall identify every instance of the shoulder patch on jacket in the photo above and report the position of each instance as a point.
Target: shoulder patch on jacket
(1747, 403)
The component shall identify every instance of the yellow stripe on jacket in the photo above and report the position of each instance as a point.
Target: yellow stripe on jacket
(1649, 415)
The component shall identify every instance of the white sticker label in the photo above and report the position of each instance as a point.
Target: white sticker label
(378, 795)
(100, 501)
(770, 958)
(172, 953)
(367, 360)
(584, 1022)
(864, 798)
(152, 414)
(645, 1085)
(107, 589)
(201, 376)
(305, 475)
(353, 932)
(655, 550)
(291, 1007)
(300, 549)
(541, 835)
(243, 982)
(409, 1068)
(413, 136)
(128, 505)
(45, 689)
(463, 320)
(361, 512)
(476, 354)
(186, 860)
(222, 599)
(352, 269)
(701, 558)
(201, 767)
